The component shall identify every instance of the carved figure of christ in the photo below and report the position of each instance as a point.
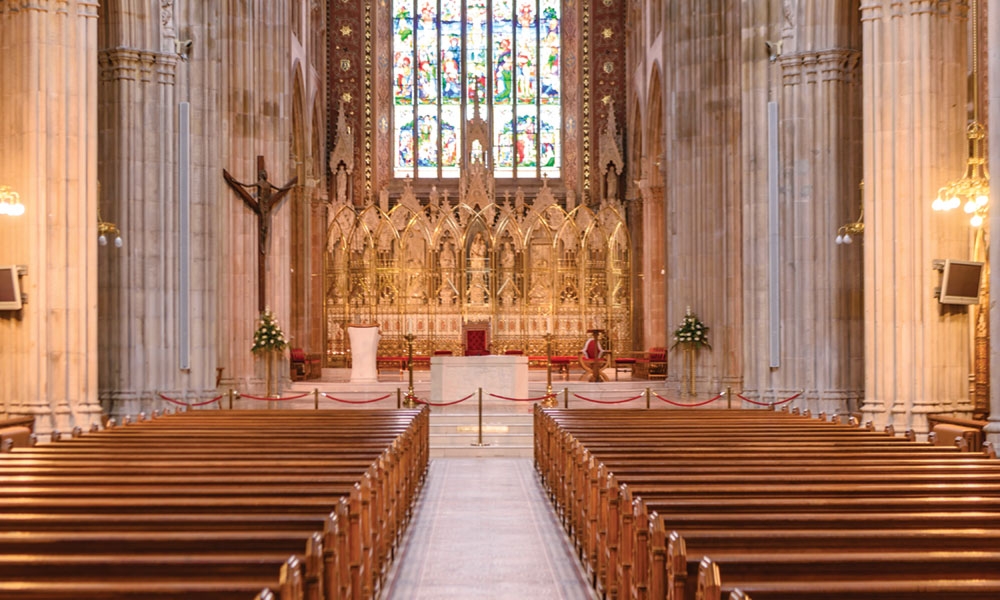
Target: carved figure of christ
(266, 199)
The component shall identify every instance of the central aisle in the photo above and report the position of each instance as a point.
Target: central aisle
(484, 529)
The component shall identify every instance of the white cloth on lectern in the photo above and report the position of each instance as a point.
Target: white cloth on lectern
(364, 353)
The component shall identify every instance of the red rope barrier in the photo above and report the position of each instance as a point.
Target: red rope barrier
(302, 395)
(356, 401)
(545, 397)
(270, 399)
(428, 403)
(596, 401)
(695, 405)
(189, 404)
(789, 399)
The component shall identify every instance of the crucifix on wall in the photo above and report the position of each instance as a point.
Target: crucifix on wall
(265, 200)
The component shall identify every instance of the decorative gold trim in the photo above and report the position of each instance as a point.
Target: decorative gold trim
(585, 66)
(369, 96)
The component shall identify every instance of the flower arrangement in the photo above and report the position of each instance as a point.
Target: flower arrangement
(268, 337)
(691, 333)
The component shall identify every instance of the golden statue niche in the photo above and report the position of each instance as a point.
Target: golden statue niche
(429, 266)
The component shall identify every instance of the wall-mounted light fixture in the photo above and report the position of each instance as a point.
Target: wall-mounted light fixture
(106, 229)
(10, 202)
(848, 231)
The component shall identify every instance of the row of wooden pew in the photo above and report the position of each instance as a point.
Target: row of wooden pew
(213, 504)
(768, 505)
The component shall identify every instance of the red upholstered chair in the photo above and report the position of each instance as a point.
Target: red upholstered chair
(652, 365)
(298, 366)
(657, 362)
(476, 338)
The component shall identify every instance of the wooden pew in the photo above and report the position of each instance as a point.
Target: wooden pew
(194, 511)
(620, 550)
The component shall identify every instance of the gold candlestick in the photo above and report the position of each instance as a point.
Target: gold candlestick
(409, 402)
(550, 401)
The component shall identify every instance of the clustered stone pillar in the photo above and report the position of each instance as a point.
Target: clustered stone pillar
(914, 69)
(809, 67)
(993, 102)
(702, 200)
(48, 123)
(254, 47)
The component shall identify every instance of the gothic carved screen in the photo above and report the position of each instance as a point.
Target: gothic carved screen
(510, 74)
(431, 266)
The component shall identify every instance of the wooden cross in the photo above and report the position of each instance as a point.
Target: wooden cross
(266, 199)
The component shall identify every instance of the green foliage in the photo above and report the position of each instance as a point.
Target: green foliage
(691, 333)
(268, 337)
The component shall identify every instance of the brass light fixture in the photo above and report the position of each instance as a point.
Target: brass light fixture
(106, 229)
(848, 231)
(10, 202)
(972, 190)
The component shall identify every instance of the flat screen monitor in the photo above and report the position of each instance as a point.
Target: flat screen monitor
(10, 288)
(960, 282)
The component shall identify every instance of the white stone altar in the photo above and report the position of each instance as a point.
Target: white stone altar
(364, 353)
(455, 377)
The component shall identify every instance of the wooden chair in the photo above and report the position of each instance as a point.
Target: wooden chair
(593, 359)
(652, 364)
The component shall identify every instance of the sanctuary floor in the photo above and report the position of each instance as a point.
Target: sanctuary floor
(483, 528)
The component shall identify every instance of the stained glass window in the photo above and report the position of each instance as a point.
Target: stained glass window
(449, 56)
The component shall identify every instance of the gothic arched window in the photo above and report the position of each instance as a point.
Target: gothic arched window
(449, 56)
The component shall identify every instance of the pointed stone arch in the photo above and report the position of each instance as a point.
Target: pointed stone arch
(650, 294)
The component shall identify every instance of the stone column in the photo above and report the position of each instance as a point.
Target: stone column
(702, 195)
(149, 346)
(993, 102)
(808, 66)
(48, 123)
(655, 329)
(254, 44)
(914, 70)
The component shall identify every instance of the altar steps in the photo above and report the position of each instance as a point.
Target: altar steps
(504, 434)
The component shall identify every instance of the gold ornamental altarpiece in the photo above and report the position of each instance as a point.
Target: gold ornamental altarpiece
(525, 266)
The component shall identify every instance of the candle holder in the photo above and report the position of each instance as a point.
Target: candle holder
(409, 402)
(550, 400)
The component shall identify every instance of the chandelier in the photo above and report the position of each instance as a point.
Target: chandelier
(10, 202)
(972, 191)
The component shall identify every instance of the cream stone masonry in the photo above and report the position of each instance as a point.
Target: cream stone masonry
(256, 99)
(48, 123)
(993, 102)
(808, 64)
(141, 284)
(914, 67)
(703, 174)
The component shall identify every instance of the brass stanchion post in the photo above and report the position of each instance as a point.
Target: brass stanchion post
(566, 397)
(409, 337)
(230, 398)
(729, 398)
(648, 394)
(480, 436)
(480, 416)
(399, 398)
(316, 398)
(550, 401)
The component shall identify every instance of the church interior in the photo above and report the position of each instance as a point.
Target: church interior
(204, 203)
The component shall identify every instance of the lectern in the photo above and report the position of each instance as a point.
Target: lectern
(364, 352)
